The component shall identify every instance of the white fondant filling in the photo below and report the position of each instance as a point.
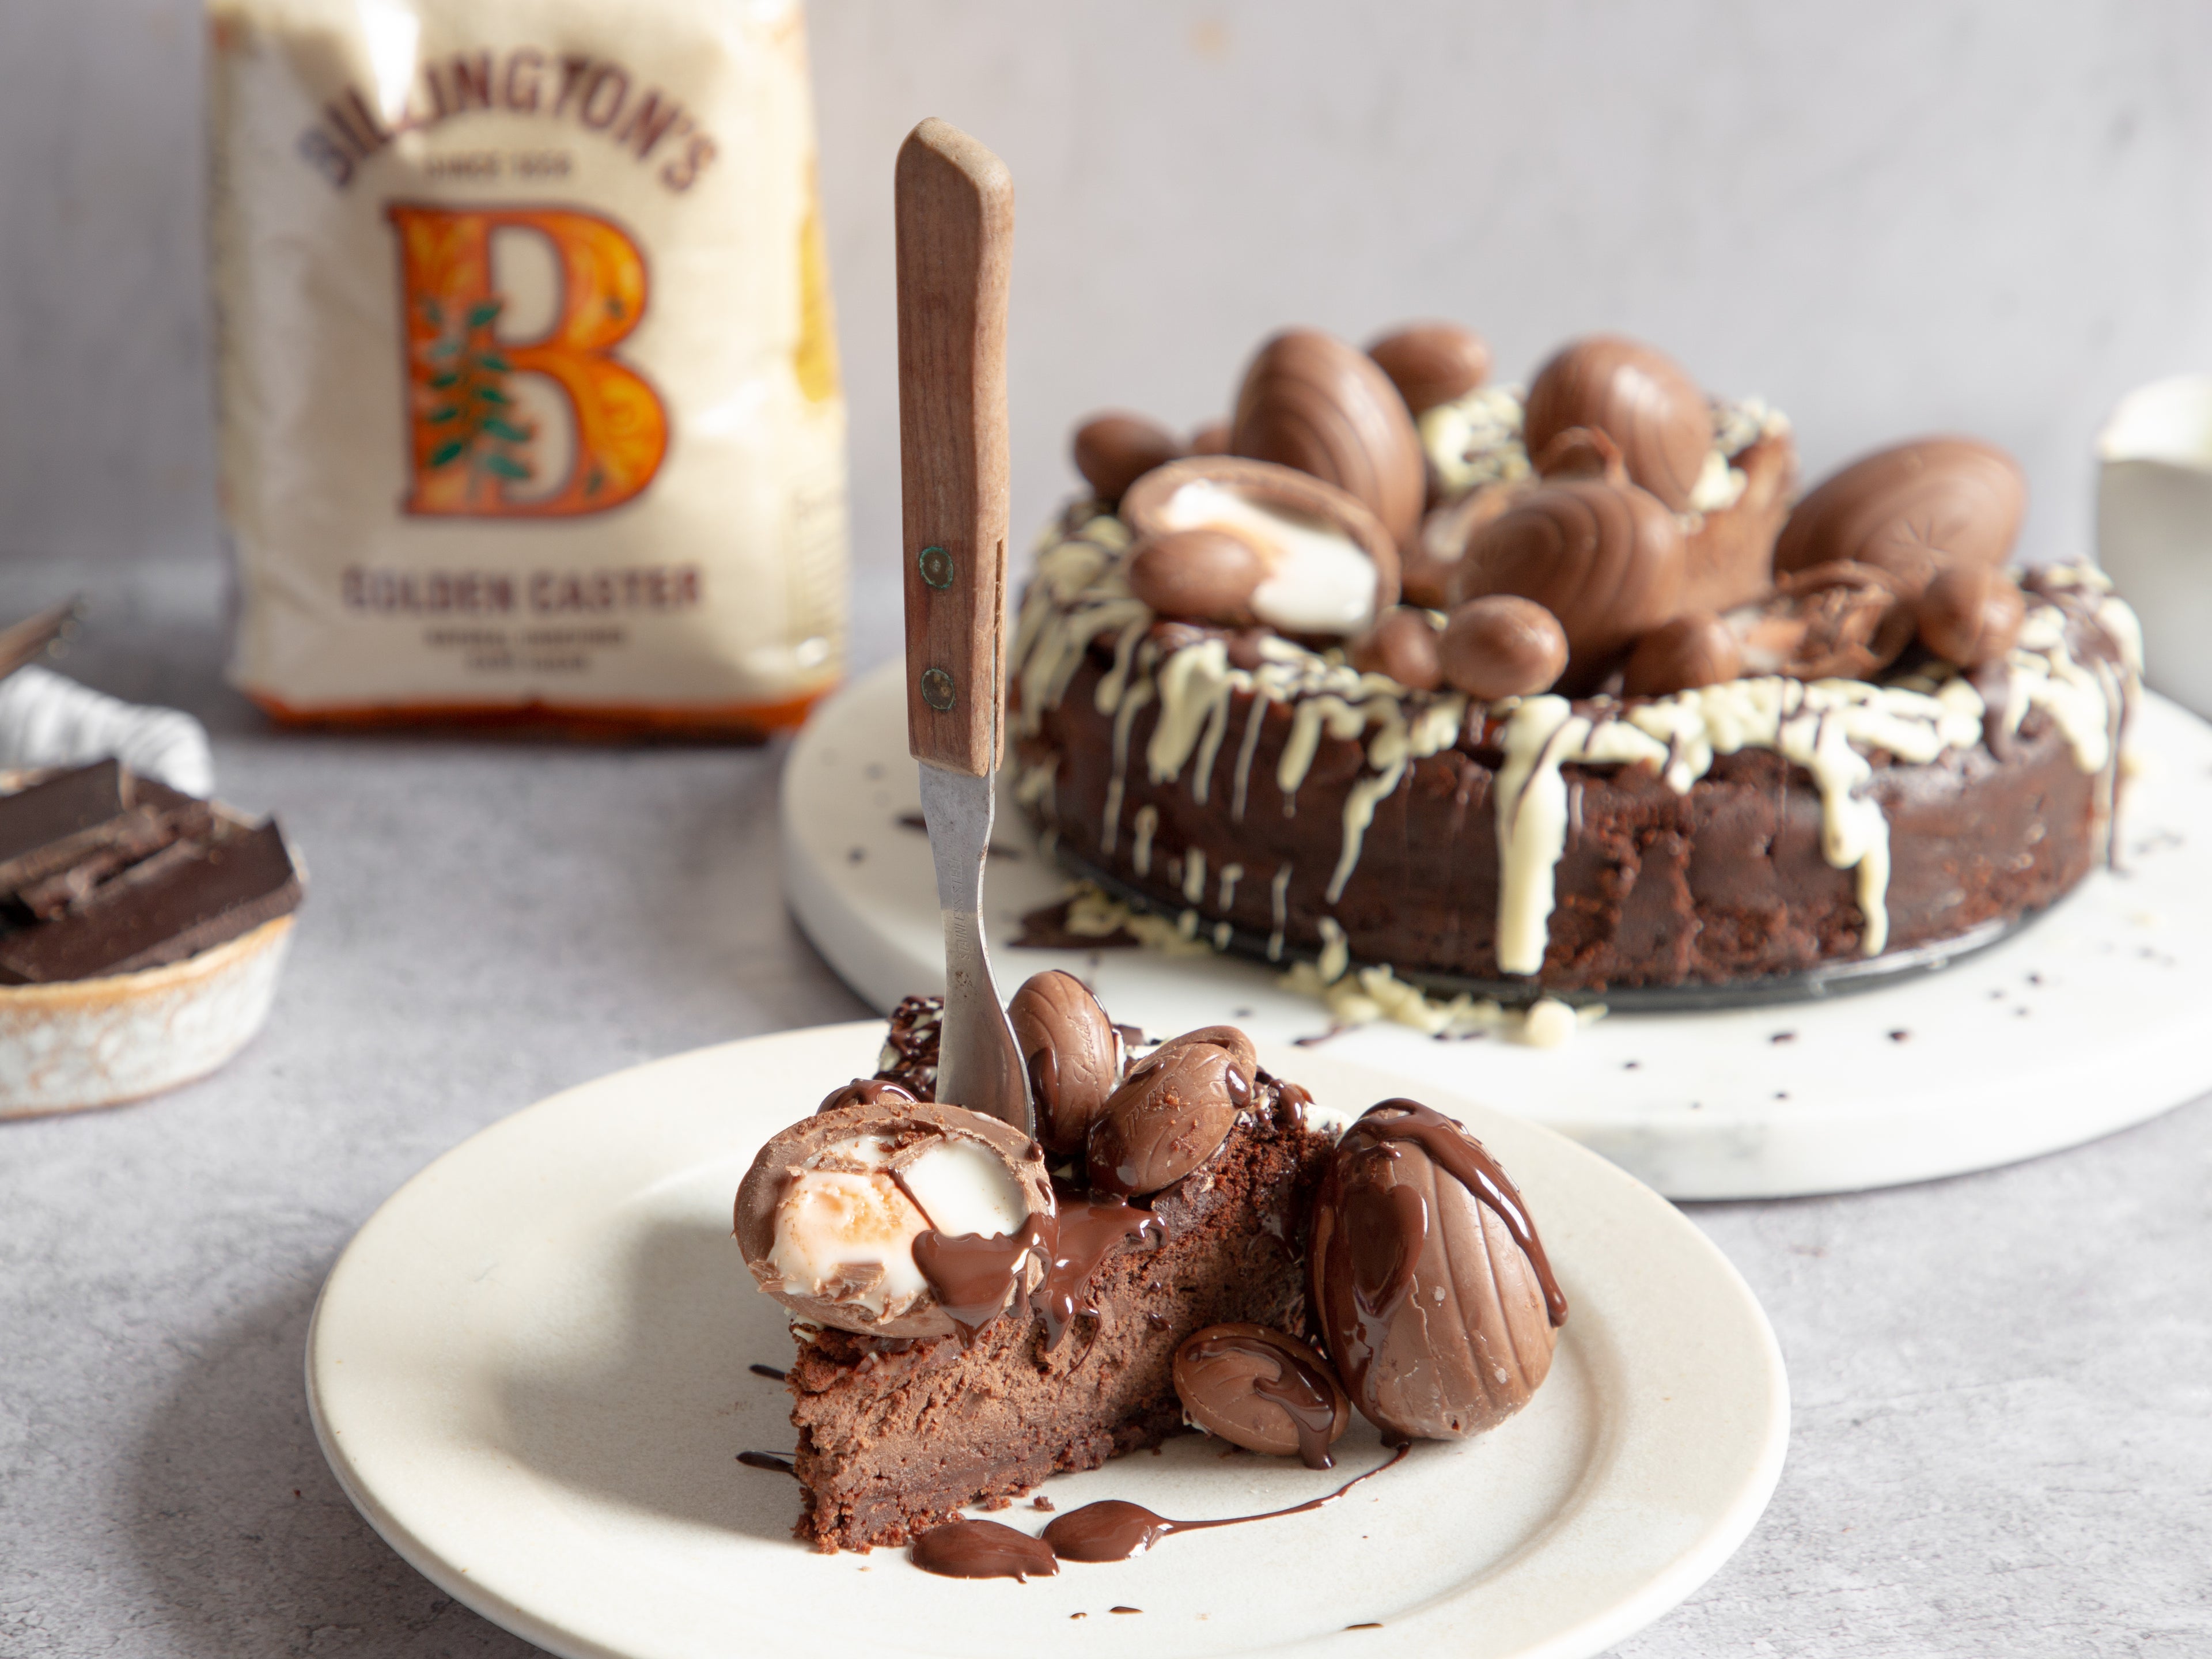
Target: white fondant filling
(1319, 580)
(963, 1187)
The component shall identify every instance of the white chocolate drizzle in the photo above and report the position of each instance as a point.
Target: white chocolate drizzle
(1140, 846)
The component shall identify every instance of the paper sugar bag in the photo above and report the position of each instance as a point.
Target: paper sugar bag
(529, 389)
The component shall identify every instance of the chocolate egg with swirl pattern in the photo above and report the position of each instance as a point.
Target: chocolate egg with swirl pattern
(1427, 1278)
(1312, 402)
(1909, 510)
(1604, 558)
(1432, 363)
(1640, 397)
(1172, 1113)
(1073, 1053)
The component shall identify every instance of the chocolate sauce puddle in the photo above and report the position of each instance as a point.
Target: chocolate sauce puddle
(1305, 1395)
(1462, 1157)
(768, 1460)
(982, 1549)
(1115, 1530)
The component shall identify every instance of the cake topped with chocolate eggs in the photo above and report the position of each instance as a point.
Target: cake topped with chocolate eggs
(1562, 688)
(1186, 1243)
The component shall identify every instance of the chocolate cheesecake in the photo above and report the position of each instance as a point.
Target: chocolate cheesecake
(1615, 712)
(904, 1421)
(1180, 1248)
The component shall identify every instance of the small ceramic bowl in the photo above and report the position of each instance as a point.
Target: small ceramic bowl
(101, 1041)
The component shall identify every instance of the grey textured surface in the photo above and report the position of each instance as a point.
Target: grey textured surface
(2003, 1383)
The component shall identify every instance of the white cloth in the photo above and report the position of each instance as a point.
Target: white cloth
(48, 721)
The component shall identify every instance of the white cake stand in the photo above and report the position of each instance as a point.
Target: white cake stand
(2082, 1023)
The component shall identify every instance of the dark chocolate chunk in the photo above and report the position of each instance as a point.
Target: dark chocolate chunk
(187, 897)
(44, 828)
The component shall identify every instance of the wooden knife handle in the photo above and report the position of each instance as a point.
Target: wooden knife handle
(956, 232)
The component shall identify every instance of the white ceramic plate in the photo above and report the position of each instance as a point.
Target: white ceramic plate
(2083, 1023)
(529, 1372)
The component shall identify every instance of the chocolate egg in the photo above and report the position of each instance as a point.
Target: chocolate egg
(1402, 644)
(1581, 451)
(1696, 648)
(838, 1216)
(1728, 559)
(1839, 621)
(1502, 647)
(1262, 1389)
(1312, 402)
(1425, 578)
(1330, 567)
(1428, 1280)
(1971, 614)
(1200, 575)
(1072, 1052)
(1908, 510)
(1113, 451)
(1639, 397)
(866, 1091)
(1212, 439)
(1242, 1054)
(1432, 363)
(1176, 1108)
(1604, 559)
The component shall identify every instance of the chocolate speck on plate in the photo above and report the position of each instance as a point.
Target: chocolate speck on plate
(1900, 1036)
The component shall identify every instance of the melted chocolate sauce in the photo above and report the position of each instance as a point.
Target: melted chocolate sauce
(1461, 1157)
(1306, 1395)
(982, 1549)
(768, 1460)
(972, 1274)
(768, 1371)
(1089, 1231)
(1114, 1530)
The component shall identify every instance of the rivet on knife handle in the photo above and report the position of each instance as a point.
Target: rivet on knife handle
(956, 218)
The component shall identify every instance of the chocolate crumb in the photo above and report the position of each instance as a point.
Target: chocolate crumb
(1125, 1609)
(1782, 1094)
(1079, 1615)
(1371, 1624)
(1900, 1036)
(767, 1372)
(1041, 1504)
(1783, 1036)
(857, 855)
(1631, 1065)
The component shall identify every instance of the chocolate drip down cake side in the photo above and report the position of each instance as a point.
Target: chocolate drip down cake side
(1562, 689)
(974, 1310)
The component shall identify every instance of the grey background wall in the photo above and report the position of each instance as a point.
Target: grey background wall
(1886, 216)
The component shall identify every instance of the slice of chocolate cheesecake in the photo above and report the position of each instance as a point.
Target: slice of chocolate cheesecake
(1000, 1339)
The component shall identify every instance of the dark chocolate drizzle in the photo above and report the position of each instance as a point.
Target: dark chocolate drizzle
(1087, 1230)
(1460, 1154)
(973, 1274)
(982, 1549)
(1307, 1396)
(1115, 1530)
(781, 1465)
